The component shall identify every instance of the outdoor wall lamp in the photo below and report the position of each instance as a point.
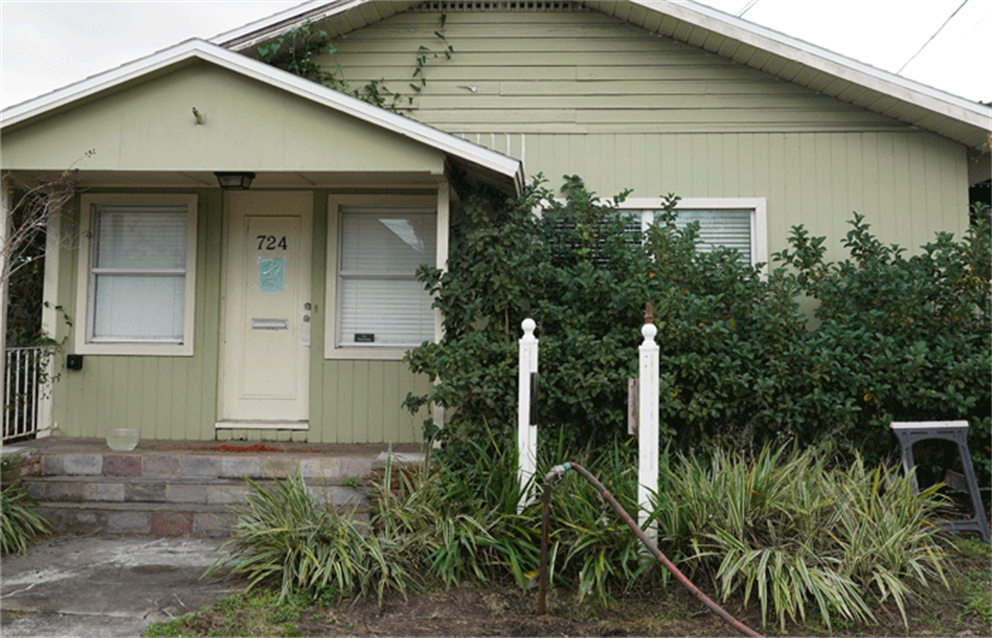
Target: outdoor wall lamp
(235, 181)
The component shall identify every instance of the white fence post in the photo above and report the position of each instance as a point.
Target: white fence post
(526, 431)
(647, 437)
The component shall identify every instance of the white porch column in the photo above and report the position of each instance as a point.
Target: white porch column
(647, 437)
(443, 234)
(526, 431)
(4, 235)
(49, 316)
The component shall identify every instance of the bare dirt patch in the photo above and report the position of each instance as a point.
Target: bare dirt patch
(671, 611)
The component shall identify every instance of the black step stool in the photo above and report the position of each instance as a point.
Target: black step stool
(909, 433)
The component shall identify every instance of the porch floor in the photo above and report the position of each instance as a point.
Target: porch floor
(175, 488)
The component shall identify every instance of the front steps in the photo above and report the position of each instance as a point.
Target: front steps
(162, 492)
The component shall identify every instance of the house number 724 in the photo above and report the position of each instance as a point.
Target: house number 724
(269, 242)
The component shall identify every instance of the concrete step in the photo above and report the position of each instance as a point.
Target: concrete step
(157, 519)
(211, 491)
(179, 488)
(342, 469)
(167, 518)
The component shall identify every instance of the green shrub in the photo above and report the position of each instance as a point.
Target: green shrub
(19, 523)
(892, 337)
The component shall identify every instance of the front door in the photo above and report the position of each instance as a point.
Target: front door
(265, 340)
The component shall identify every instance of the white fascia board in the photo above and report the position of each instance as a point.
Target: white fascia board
(314, 10)
(97, 83)
(823, 60)
(200, 49)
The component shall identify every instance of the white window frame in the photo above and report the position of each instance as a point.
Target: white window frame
(440, 203)
(757, 206)
(84, 344)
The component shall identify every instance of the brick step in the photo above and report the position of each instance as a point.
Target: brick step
(204, 491)
(343, 469)
(157, 519)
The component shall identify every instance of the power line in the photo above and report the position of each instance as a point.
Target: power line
(747, 7)
(932, 37)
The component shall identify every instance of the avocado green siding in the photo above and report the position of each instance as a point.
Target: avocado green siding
(581, 93)
(573, 92)
(150, 126)
(163, 397)
(176, 397)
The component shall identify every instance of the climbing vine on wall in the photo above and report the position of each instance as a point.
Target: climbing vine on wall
(296, 50)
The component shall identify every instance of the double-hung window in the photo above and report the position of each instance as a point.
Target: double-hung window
(380, 307)
(137, 275)
(738, 223)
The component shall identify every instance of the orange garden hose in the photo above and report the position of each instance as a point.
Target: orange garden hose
(559, 471)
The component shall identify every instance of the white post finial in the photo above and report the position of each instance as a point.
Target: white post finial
(529, 325)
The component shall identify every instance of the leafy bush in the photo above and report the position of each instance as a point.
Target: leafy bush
(19, 523)
(575, 271)
(893, 337)
(791, 532)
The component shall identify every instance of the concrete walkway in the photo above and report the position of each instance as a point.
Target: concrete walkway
(107, 586)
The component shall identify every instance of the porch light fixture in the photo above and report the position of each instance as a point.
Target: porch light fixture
(235, 181)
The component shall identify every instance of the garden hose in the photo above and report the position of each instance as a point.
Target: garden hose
(557, 473)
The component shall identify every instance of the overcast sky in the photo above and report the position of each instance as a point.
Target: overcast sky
(48, 45)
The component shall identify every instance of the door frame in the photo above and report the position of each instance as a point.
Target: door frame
(225, 361)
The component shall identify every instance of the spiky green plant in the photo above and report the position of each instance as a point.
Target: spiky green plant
(886, 533)
(440, 518)
(19, 523)
(283, 535)
(785, 528)
(591, 547)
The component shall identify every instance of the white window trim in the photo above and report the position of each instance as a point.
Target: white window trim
(757, 206)
(440, 202)
(84, 318)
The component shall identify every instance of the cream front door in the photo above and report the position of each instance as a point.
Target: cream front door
(265, 340)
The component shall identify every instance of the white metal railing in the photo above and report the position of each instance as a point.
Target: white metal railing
(27, 384)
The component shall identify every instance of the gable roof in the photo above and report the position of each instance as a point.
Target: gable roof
(488, 165)
(758, 47)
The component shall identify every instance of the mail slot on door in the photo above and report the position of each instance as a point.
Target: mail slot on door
(270, 324)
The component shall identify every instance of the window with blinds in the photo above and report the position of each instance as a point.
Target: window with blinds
(380, 301)
(138, 274)
(738, 223)
(719, 228)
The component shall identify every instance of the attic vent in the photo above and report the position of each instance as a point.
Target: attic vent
(461, 6)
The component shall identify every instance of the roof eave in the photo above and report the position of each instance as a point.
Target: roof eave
(828, 62)
(508, 167)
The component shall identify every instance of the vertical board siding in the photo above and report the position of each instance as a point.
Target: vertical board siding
(362, 402)
(161, 397)
(909, 186)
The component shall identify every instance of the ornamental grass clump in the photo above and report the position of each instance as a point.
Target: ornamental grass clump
(285, 536)
(428, 513)
(792, 532)
(19, 523)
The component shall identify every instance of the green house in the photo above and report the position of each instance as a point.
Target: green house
(282, 309)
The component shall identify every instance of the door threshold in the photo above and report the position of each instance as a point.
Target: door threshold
(262, 425)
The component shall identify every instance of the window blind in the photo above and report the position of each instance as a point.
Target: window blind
(138, 275)
(726, 228)
(381, 302)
